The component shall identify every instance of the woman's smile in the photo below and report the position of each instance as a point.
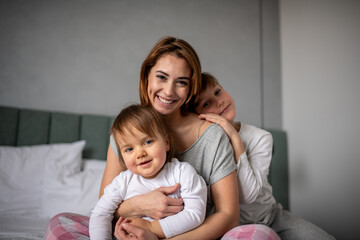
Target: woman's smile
(165, 101)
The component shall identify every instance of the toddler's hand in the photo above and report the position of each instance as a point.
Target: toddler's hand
(124, 231)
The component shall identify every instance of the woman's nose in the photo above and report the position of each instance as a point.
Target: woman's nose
(169, 88)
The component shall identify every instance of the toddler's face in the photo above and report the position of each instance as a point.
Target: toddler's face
(143, 155)
(216, 100)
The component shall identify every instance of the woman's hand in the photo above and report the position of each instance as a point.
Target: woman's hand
(155, 204)
(159, 205)
(124, 231)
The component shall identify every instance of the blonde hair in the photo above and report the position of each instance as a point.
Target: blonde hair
(178, 48)
(144, 119)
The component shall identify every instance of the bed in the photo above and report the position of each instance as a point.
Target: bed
(52, 162)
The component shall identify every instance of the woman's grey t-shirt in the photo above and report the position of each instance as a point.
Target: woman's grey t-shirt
(211, 155)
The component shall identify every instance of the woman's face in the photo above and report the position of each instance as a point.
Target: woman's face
(169, 84)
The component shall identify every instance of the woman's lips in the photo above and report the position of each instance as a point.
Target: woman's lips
(165, 101)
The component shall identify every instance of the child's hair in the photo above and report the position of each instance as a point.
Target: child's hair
(207, 80)
(144, 119)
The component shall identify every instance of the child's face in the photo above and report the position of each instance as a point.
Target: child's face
(216, 100)
(143, 155)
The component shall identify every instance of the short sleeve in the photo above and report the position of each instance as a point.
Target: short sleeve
(223, 163)
(113, 145)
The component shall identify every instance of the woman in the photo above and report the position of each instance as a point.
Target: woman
(169, 79)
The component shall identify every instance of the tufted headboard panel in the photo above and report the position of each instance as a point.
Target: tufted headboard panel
(279, 169)
(24, 127)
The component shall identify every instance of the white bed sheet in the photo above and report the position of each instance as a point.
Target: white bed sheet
(20, 227)
(25, 224)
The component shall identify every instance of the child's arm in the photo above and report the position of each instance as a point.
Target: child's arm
(100, 224)
(225, 197)
(124, 230)
(193, 191)
(230, 130)
(152, 226)
(252, 167)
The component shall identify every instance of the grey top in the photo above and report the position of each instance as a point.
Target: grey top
(211, 155)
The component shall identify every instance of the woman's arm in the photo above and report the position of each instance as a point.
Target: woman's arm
(225, 195)
(112, 169)
(226, 200)
(154, 204)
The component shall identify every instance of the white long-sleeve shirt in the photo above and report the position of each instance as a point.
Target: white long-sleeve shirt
(256, 198)
(126, 185)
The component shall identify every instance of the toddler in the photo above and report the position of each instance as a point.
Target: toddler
(146, 150)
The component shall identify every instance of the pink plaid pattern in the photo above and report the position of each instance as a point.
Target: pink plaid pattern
(71, 226)
(251, 232)
(68, 226)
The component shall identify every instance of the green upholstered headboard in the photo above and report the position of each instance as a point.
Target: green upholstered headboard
(24, 127)
(279, 170)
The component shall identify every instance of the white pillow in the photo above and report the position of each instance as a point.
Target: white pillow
(76, 193)
(22, 170)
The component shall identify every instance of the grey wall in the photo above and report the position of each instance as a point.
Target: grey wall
(85, 55)
(321, 113)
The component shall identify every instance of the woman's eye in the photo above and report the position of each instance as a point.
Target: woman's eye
(183, 82)
(161, 77)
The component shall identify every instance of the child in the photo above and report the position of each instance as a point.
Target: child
(145, 148)
(253, 152)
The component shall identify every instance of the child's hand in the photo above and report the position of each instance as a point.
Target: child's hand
(146, 225)
(230, 130)
(220, 120)
(141, 223)
(124, 230)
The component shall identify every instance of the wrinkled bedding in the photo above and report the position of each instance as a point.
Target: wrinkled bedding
(22, 225)
(31, 194)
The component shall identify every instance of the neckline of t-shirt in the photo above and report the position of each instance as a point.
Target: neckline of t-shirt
(197, 140)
